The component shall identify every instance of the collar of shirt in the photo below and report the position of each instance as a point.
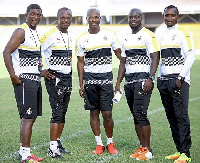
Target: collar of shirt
(173, 27)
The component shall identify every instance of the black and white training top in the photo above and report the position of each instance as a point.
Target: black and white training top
(96, 48)
(57, 48)
(177, 54)
(27, 57)
(137, 49)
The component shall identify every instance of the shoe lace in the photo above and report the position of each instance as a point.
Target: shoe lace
(98, 147)
(144, 150)
(139, 150)
(112, 146)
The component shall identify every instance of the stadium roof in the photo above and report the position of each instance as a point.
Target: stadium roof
(13, 8)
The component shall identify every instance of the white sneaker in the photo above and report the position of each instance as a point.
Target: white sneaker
(145, 154)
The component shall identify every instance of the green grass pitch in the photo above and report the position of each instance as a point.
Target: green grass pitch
(77, 136)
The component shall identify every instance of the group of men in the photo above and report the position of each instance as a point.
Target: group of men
(139, 55)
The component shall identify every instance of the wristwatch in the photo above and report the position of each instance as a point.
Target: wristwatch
(180, 78)
(152, 77)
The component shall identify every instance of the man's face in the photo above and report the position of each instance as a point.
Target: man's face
(64, 19)
(33, 17)
(134, 19)
(93, 19)
(171, 17)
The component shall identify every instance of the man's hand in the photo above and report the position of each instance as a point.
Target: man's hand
(117, 88)
(178, 83)
(147, 85)
(15, 79)
(82, 92)
(47, 74)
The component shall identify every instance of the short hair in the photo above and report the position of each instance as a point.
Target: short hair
(33, 6)
(97, 10)
(63, 8)
(171, 6)
(135, 9)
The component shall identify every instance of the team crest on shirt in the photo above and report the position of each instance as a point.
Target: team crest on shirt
(29, 111)
(58, 38)
(174, 37)
(105, 37)
(139, 38)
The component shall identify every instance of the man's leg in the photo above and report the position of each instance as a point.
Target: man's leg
(25, 135)
(108, 123)
(142, 125)
(54, 130)
(60, 129)
(95, 122)
(65, 102)
(167, 101)
(144, 134)
(95, 126)
(180, 103)
(61, 148)
(26, 131)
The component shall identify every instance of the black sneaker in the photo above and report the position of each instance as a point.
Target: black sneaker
(61, 148)
(54, 153)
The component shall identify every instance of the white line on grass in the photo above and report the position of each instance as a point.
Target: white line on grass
(76, 134)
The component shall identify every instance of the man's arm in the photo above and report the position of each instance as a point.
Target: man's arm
(189, 60)
(16, 39)
(118, 53)
(45, 44)
(80, 67)
(121, 73)
(155, 57)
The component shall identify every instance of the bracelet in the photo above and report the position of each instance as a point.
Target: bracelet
(81, 88)
(180, 78)
(152, 77)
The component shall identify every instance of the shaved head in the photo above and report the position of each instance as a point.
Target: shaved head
(92, 10)
(136, 10)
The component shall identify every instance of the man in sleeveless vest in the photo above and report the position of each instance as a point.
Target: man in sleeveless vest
(139, 62)
(95, 77)
(57, 48)
(177, 57)
(22, 57)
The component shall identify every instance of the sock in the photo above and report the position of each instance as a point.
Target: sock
(53, 145)
(109, 140)
(20, 149)
(98, 140)
(26, 151)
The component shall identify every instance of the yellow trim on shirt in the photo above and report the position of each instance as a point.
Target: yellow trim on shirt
(154, 41)
(24, 26)
(97, 47)
(170, 46)
(187, 36)
(84, 33)
(26, 48)
(135, 47)
(46, 35)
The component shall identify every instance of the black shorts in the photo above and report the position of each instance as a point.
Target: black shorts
(59, 97)
(137, 101)
(29, 98)
(98, 97)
